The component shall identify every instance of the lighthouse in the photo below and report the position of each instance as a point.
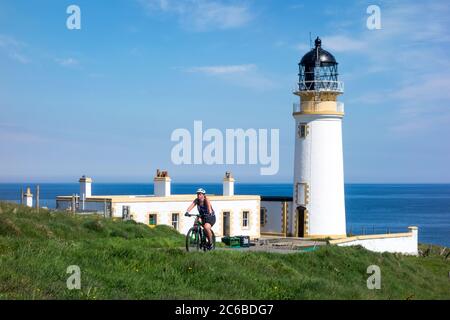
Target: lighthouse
(318, 199)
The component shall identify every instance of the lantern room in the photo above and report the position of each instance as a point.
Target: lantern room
(318, 71)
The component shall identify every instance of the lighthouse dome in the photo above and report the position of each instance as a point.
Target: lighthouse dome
(318, 54)
(318, 71)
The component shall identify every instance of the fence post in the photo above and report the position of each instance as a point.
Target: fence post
(37, 197)
(73, 203)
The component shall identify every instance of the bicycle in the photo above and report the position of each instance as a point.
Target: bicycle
(196, 238)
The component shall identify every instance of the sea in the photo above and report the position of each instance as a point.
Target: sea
(370, 208)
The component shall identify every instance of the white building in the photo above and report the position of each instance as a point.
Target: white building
(235, 214)
(317, 207)
(27, 198)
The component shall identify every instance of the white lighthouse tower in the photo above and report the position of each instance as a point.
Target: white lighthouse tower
(318, 200)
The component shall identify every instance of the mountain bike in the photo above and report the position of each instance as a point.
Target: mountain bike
(196, 238)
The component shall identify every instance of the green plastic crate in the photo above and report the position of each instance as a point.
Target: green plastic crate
(244, 241)
(234, 242)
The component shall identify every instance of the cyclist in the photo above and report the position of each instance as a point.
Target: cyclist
(206, 212)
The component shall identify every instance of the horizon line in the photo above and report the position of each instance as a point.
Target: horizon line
(207, 182)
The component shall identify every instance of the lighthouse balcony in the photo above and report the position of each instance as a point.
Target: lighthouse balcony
(320, 107)
(321, 86)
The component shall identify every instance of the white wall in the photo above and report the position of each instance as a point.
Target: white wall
(274, 215)
(162, 187)
(319, 163)
(228, 187)
(86, 189)
(406, 244)
(95, 206)
(164, 210)
(28, 201)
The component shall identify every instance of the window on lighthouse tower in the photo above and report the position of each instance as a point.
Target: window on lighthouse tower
(302, 130)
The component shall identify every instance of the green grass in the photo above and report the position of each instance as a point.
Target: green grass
(126, 260)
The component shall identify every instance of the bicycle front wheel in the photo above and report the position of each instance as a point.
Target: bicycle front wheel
(193, 240)
(213, 240)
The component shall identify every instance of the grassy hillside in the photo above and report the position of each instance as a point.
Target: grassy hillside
(125, 260)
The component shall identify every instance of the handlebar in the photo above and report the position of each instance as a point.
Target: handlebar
(187, 214)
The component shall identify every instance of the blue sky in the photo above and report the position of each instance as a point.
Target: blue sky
(104, 100)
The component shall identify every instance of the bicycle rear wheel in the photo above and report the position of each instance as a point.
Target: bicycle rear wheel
(193, 240)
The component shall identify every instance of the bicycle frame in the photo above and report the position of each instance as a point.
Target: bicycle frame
(199, 228)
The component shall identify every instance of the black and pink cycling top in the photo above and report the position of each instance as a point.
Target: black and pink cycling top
(203, 209)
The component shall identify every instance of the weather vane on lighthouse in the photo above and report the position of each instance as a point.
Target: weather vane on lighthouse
(319, 203)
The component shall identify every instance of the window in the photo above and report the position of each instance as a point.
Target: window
(263, 216)
(245, 217)
(175, 220)
(152, 219)
(302, 130)
(125, 212)
(302, 192)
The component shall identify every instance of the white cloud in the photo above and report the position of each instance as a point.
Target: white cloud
(67, 62)
(297, 6)
(243, 75)
(216, 70)
(96, 75)
(342, 43)
(8, 41)
(202, 15)
(422, 104)
(302, 47)
(19, 57)
(411, 53)
(416, 21)
(14, 49)
(10, 133)
(425, 88)
(337, 43)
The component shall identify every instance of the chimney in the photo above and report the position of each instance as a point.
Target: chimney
(28, 198)
(85, 187)
(228, 184)
(162, 184)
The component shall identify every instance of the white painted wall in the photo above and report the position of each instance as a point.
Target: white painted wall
(86, 189)
(228, 187)
(319, 163)
(274, 214)
(407, 244)
(94, 206)
(28, 200)
(164, 209)
(162, 187)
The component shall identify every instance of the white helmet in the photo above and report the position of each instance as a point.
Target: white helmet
(201, 190)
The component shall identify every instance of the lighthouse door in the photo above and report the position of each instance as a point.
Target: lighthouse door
(301, 222)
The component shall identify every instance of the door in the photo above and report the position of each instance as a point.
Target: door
(226, 224)
(301, 221)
